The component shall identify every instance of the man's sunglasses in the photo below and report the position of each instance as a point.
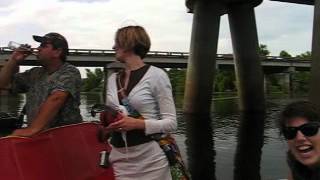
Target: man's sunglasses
(308, 129)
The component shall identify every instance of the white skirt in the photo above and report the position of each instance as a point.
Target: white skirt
(142, 162)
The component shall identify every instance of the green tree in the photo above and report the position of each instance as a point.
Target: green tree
(224, 81)
(94, 80)
(300, 81)
(177, 77)
(274, 84)
(263, 50)
(285, 54)
(305, 56)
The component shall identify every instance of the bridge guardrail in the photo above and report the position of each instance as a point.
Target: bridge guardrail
(90, 52)
(102, 52)
(289, 59)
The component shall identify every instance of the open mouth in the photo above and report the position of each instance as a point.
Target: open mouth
(304, 148)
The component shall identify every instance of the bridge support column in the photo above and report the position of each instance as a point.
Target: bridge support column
(249, 147)
(201, 62)
(265, 84)
(248, 65)
(288, 80)
(315, 65)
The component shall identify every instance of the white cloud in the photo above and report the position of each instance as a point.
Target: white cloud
(85, 1)
(91, 23)
(285, 26)
(5, 3)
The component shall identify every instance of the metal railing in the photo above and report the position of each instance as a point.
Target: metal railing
(102, 52)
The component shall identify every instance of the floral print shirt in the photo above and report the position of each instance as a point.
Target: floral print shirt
(38, 85)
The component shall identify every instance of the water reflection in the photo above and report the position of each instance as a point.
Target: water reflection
(12, 103)
(200, 146)
(249, 146)
(225, 106)
(87, 101)
(214, 158)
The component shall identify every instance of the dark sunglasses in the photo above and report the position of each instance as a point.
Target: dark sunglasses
(308, 129)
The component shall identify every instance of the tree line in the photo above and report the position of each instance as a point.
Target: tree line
(225, 80)
(263, 51)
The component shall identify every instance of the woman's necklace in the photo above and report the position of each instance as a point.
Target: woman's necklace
(126, 81)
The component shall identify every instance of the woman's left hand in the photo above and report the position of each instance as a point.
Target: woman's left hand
(126, 124)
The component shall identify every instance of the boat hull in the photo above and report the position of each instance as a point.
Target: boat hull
(69, 152)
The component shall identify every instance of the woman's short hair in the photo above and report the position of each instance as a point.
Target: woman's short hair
(302, 109)
(133, 38)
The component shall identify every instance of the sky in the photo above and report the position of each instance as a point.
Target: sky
(91, 24)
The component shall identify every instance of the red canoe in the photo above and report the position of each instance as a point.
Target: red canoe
(65, 153)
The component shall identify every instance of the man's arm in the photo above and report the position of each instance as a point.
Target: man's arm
(47, 112)
(10, 67)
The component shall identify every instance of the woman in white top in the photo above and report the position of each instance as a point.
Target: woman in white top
(134, 154)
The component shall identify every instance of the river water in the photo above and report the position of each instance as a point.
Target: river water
(239, 140)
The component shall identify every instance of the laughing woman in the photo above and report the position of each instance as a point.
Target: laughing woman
(134, 154)
(299, 124)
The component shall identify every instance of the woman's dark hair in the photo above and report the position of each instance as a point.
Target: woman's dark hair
(303, 109)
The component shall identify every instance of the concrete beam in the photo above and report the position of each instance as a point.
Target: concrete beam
(225, 3)
(308, 2)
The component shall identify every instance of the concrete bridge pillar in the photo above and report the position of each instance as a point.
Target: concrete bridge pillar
(265, 84)
(315, 66)
(249, 147)
(288, 80)
(217, 67)
(247, 63)
(201, 62)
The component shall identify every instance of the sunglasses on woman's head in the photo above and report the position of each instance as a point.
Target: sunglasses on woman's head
(308, 129)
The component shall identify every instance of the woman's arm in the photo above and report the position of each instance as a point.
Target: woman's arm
(162, 91)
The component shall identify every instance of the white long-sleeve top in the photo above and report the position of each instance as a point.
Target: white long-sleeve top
(152, 98)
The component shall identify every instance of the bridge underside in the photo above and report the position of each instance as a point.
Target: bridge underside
(309, 2)
(267, 70)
